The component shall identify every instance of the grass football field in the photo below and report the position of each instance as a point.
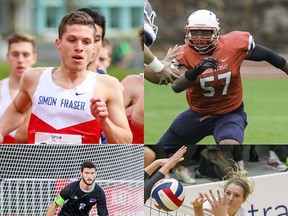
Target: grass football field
(265, 101)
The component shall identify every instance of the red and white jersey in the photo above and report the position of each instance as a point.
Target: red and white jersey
(57, 110)
(218, 91)
(5, 100)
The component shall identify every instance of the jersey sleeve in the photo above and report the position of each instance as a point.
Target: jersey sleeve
(63, 195)
(102, 204)
(236, 41)
(149, 184)
(59, 200)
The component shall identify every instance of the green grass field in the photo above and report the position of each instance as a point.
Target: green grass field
(266, 105)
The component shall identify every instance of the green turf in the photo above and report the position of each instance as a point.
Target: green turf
(266, 105)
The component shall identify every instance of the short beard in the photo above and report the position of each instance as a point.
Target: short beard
(88, 183)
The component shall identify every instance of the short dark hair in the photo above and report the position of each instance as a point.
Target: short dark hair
(88, 164)
(98, 18)
(77, 17)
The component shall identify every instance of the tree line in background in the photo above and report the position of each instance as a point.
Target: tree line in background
(266, 20)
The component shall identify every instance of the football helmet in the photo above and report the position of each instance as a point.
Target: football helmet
(150, 29)
(202, 31)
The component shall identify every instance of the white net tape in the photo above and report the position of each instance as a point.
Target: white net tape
(151, 210)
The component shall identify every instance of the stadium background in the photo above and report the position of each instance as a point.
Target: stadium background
(265, 88)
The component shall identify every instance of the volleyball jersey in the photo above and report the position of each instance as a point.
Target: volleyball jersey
(56, 110)
(218, 91)
(5, 100)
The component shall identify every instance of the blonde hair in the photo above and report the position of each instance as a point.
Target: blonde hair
(21, 37)
(240, 178)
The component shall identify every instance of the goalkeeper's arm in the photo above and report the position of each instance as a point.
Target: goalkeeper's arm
(52, 209)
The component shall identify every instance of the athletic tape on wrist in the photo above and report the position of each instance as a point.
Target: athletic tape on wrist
(156, 65)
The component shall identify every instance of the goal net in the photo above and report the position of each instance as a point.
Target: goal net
(32, 176)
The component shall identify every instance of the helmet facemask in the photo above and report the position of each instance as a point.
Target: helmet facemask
(150, 20)
(150, 29)
(202, 31)
(203, 39)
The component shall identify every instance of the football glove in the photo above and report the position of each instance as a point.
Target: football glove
(208, 62)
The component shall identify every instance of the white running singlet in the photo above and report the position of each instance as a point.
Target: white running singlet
(5, 100)
(57, 110)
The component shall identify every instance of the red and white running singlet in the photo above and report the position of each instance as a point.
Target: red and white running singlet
(58, 112)
(5, 100)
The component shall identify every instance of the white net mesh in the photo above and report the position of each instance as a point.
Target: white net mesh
(151, 210)
(32, 175)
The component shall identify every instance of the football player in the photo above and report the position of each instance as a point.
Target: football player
(210, 74)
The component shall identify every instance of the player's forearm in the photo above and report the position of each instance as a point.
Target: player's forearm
(116, 134)
(181, 84)
(198, 211)
(261, 53)
(148, 55)
(285, 68)
(149, 184)
(152, 167)
(11, 120)
(152, 61)
(51, 211)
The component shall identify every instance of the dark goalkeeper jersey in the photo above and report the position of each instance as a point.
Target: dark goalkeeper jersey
(79, 202)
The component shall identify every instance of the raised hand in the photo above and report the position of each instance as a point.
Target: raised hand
(218, 205)
(169, 72)
(99, 109)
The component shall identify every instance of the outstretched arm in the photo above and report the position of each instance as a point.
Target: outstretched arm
(158, 71)
(168, 164)
(262, 53)
(52, 209)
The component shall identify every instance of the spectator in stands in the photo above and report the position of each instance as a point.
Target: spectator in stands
(273, 161)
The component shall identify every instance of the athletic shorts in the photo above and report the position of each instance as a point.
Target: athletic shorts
(190, 127)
